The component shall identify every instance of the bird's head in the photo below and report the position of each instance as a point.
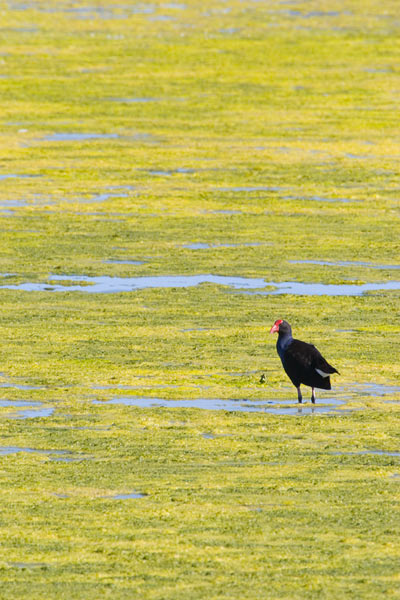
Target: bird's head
(281, 326)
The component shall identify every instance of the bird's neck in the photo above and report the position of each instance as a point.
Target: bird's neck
(283, 342)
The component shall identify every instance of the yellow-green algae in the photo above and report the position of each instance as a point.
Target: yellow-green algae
(197, 101)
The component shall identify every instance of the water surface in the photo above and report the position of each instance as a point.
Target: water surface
(130, 496)
(344, 263)
(5, 450)
(78, 137)
(106, 284)
(230, 405)
(249, 188)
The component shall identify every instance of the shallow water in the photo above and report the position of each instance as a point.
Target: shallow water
(6, 450)
(69, 459)
(107, 285)
(134, 100)
(20, 386)
(168, 173)
(320, 199)
(205, 246)
(16, 176)
(131, 496)
(77, 137)
(32, 409)
(344, 263)
(366, 452)
(197, 246)
(102, 197)
(326, 289)
(267, 406)
(374, 389)
(250, 188)
(25, 565)
(124, 262)
(198, 329)
(34, 413)
(13, 203)
(224, 211)
(135, 387)
(17, 403)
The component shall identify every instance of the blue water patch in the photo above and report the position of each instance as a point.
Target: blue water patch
(31, 409)
(17, 176)
(124, 262)
(224, 211)
(320, 199)
(134, 100)
(197, 246)
(107, 285)
(249, 188)
(375, 389)
(230, 405)
(344, 263)
(169, 172)
(78, 137)
(131, 496)
(205, 246)
(19, 386)
(5, 450)
(19, 403)
(368, 452)
(33, 413)
(326, 289)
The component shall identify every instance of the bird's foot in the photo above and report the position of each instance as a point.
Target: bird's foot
(312, 396)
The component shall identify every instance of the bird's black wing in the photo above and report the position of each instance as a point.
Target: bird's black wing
(307, 356)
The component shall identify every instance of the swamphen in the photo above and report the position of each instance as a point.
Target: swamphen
(302, 362)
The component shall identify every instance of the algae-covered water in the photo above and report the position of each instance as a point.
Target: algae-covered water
(174, 177)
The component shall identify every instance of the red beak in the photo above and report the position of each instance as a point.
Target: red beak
(274, 328)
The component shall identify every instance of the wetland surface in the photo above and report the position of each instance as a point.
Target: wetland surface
(174, 177)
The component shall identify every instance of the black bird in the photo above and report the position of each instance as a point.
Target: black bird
(302, 362)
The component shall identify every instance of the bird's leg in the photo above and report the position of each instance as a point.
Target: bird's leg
(299, 396)
(312, 395)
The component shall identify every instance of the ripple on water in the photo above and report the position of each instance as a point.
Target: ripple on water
(230, 405)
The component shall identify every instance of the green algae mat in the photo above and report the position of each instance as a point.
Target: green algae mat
(174, 177)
